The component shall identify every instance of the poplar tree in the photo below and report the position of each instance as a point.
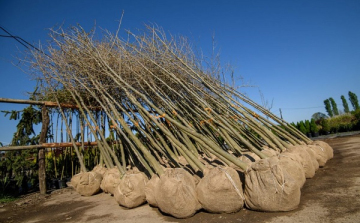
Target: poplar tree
(328, 107)
(354, 100)
(334, 106)
(345, 104)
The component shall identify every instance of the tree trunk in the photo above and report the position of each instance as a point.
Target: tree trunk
(44, 128)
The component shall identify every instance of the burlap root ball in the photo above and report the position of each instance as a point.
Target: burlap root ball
(269, 152)
(130, 192)
(268, 187)
(220, 190)
(320, 153)
(306, 160)
(326, 147)
(100, 169)
(89, 183)
(313, 157)
(176, 193)
(150, 187)
(249, 157)
(291, 162)
(111, 180)
(75, 180)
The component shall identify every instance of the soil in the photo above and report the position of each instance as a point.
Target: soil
(333, 195)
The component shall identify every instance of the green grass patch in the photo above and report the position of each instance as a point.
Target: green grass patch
(6, 199)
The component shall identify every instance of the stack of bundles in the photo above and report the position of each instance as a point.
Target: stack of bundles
(187, 132)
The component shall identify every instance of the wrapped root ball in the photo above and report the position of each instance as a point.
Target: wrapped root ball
(320, 153)
(75, 180)
(220, 191)
(306, 160)
(249, 157)
(130, 192)
(89, 183)
(291, 162)
(150, 187)
(326, 147)
(100, 169)
(110, 180)
(269, 152)
(268, 187)
(176, 193)
(313, 157)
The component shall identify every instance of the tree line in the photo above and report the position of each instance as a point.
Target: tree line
(307, 127)
(331, 106)
(336, 121)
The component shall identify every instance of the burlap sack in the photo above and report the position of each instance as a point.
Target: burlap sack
(320, 153)
(150, 187)
(182, 160)
(291, 163)
(326, 147)
(305, 160)
(100, 169)
(89, 183)
(75, 180)
(220, 191)
(176, 193)
(269, 152)
(249, 157)
(130, 192)
(313, 157)
(268, 187)
(110, 180)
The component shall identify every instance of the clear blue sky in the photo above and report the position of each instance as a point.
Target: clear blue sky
(298, 53)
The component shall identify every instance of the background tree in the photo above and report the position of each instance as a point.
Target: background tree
(302, 127)
(345, 104)
(313, 126)
(325, 128)
(354, 100)
(22, 165)
(318, 115)
(307, 126)
(328, 107)
(334, 106)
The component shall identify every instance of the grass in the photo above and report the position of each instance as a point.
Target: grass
(6, 199)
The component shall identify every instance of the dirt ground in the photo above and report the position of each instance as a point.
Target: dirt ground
(333, 195)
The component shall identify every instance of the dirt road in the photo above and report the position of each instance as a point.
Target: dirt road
(333, 195)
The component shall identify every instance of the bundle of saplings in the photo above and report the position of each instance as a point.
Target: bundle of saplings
(181, 137)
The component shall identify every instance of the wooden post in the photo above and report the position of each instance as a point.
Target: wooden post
(44, 129)
(51, 145)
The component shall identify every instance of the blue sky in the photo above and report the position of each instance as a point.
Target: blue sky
(298, 53)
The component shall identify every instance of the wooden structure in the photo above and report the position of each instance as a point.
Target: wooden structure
(44, 128)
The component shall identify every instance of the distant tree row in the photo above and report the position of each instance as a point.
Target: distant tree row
(321, 124)
(336, 121)
(331, 106)
(307, 127)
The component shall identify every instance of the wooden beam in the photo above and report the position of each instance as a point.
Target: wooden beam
(67, 144)
(48, 104)
(11, 148)
(19, 101)
(47, 145)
